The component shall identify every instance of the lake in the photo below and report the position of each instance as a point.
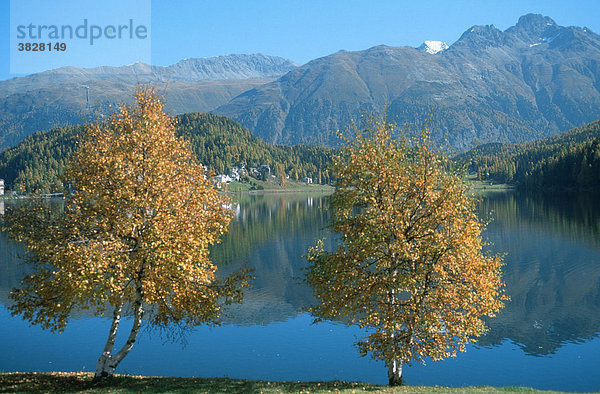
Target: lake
(546, 337)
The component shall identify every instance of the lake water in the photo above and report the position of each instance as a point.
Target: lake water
(546, 337)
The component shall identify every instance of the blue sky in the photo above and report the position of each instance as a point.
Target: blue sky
(307, 29)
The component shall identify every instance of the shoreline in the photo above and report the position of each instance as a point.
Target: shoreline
(274, 191)
(309, 189)
(83, 382)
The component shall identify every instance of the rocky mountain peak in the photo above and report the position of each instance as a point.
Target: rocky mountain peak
(533, 27)
(481, 36)
(535, 22)
(532, 80)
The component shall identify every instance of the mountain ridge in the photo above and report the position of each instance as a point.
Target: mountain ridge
(530, 81)
(58, 97)
(490, 85)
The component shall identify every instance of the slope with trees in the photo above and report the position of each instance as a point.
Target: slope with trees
(38, 162)
(570, 160)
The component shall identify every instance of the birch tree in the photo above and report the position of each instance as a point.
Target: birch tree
(134, 235)
(409, 267)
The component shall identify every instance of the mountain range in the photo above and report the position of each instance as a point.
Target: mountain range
(529, 81)
(71, 95)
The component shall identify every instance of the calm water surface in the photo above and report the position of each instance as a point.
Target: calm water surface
(546, 337)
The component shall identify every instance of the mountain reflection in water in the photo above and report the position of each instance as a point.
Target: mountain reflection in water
(552, 271)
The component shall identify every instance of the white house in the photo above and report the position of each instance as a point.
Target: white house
(224, 178)
(1, 187)
(307, 180)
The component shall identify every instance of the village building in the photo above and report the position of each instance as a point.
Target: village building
(222, 178)
(235, 174)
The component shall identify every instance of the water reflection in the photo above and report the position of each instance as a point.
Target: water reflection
(12, 269)
(552, 270)
(271, 234)
(12, 256)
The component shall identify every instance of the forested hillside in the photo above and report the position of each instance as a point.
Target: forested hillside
(38, 162)
(570, 160)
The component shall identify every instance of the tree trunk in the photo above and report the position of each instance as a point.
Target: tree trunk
(395, 373)
(102, 366)
(394, 366)
(108, 361)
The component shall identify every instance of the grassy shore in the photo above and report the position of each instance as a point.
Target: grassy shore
(83, 382)
(258, 186)
(253, 186)
(487, 186)
(271, 186)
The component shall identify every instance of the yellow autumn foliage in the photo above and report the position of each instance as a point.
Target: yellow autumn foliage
(410, 266)
(134, 233)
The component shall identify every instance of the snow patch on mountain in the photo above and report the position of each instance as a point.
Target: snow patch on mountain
(433, 47)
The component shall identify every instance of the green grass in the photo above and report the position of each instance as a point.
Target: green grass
(83, 382)
(255, 185)
(485, 186)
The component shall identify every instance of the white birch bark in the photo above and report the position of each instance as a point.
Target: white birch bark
(104, 358)
(395, 373)
(108, 361)
(394, 366)
(137, 324)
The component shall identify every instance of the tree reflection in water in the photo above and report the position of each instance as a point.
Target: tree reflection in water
(552, 271)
